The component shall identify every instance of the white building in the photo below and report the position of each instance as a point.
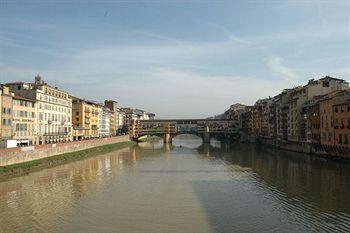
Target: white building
(104, 115)
(120, 121)
(53, 110)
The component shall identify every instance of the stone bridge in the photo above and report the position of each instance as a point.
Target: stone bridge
(205, 128)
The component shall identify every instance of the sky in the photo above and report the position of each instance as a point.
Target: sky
(178, 59)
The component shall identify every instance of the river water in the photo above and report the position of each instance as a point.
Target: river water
(184, 187)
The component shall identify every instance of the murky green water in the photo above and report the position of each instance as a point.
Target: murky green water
(163, 188)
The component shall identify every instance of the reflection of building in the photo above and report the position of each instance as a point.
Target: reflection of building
(84, 119)
(53, 110)
(5, 113)
(24, 120)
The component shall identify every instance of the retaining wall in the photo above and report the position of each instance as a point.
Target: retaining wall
(24, 154)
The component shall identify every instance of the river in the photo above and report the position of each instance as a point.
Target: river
(184, 187)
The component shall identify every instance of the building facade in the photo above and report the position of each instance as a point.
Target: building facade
(341, 110)
(6, 107)
(132, 114)
(53, 110)
(24, 121)
(104, 115)
(281, 115)
(85, 119)
(299, 99)
(114, 117)
(314, 126)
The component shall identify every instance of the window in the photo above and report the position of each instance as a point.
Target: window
(336, 122)
(329, 137)
(346, 139)
(324, 136)
(340, 140)
(336, 109)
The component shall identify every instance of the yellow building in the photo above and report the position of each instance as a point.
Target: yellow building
(85, 119)
(24, 119)
(5, 113)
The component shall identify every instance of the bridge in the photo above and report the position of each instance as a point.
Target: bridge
(170, 128)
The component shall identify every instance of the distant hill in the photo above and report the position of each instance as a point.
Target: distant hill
(226, 115)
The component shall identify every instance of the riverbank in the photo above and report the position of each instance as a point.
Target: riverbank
(24, 168)
(10, 156)
(302, 148)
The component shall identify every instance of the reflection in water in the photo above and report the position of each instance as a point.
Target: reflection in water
(187, 140)
(156, 187)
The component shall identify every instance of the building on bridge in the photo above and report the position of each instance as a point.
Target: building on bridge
(205, 128)
(132, 114)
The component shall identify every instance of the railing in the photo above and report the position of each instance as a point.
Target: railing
(56, 134)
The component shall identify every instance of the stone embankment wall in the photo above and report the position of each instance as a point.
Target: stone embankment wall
(307, 148)
(25, 154)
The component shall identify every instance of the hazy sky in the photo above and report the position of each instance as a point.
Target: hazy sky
(176, 59)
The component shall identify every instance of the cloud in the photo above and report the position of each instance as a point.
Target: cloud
(344, 72)
(275, 64)
(172, 77)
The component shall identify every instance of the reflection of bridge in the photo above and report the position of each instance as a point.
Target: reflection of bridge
(168, 129)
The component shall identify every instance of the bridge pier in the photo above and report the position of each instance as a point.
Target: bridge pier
(168, 138)
(206, 136)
